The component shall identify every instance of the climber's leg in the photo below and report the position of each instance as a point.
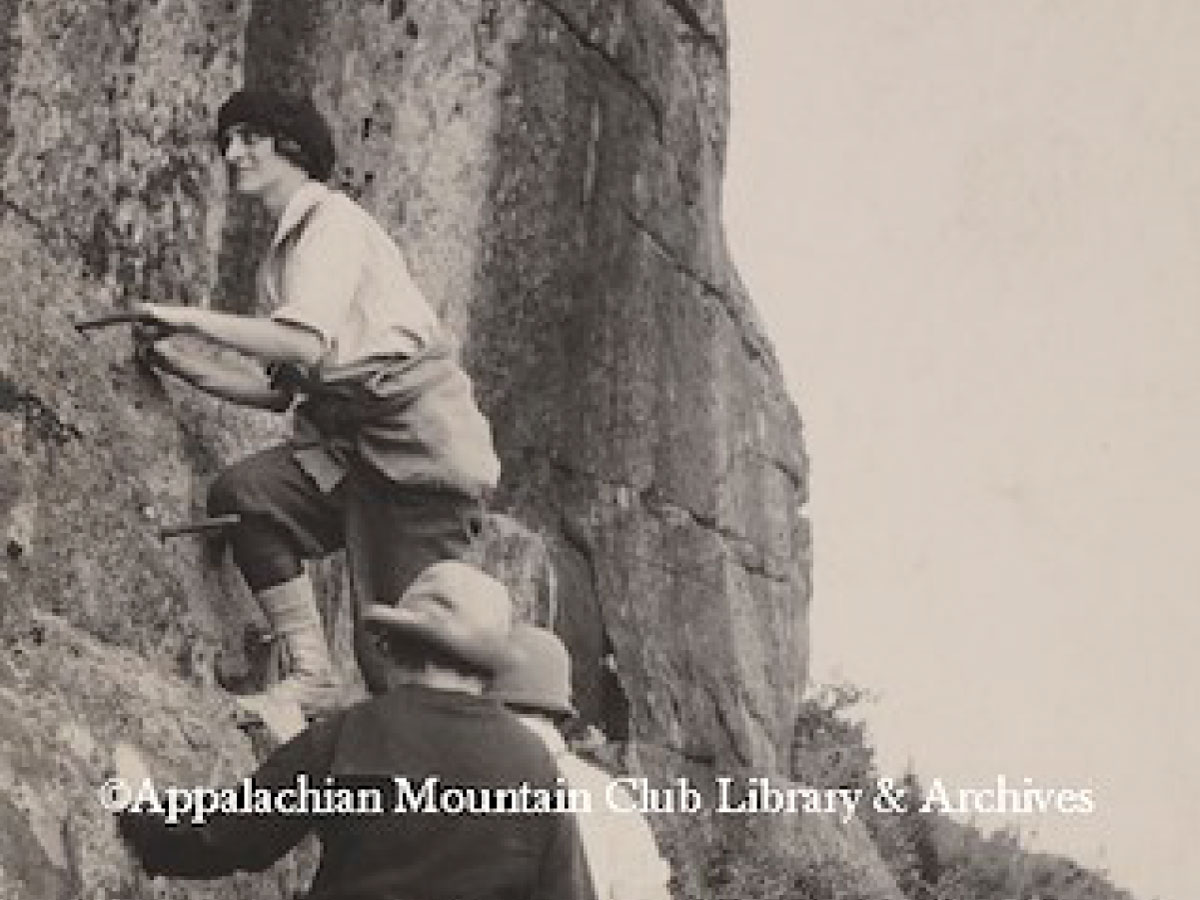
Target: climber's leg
(283, 519)
(393, 532)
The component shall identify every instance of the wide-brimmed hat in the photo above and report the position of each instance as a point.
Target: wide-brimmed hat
(456, 607)
(539, 676)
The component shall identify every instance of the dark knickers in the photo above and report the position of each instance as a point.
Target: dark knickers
(391, 532)
(397, 530)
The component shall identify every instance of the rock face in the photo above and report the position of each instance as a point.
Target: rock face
(553, 170)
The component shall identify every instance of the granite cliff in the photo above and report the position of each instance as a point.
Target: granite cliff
(553, 170)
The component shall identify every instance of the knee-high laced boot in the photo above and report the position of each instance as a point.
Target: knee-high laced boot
(309, 682)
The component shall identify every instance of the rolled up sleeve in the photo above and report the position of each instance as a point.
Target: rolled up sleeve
(321, 273)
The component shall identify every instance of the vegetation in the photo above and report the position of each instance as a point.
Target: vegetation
(750, 877)
(931, 856)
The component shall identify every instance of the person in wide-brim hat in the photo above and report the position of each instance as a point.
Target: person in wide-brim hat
(623, 858)
(447, 635)
(453, 611)
(536, 677)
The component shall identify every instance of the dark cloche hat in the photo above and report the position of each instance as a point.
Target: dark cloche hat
(300, 131)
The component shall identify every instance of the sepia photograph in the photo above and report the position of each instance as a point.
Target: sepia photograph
(574, 450)
(972, 232)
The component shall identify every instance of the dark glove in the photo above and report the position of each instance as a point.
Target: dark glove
(146, 336)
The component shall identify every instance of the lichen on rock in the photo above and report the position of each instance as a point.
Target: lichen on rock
(553, 171)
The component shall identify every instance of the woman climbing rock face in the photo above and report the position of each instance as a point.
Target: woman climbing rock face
(391, 456)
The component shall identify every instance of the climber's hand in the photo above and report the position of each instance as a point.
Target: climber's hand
(148, 333)
(147, 348)
(164, 319)
(128, 764)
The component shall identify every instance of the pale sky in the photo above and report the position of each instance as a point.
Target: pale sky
(973, 230)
